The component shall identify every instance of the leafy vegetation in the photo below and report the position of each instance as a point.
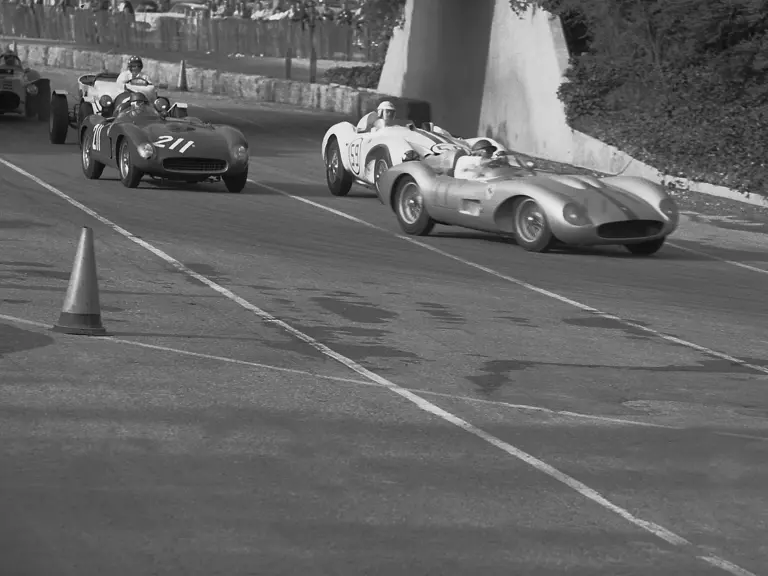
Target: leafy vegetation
(679, 84)
(381, 17)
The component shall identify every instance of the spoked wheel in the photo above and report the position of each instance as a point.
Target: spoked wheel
(410, 210)
(130, 176)
(531, 227)
(91, 168)
(339, 180)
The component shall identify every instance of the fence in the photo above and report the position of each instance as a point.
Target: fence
(220, 37)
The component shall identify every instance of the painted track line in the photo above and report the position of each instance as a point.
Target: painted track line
(259, 365)
(723, 260)
(425, 405)
(469, 399)
(523, 284)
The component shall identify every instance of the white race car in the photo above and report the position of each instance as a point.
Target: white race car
(361, 154)
(96, 92)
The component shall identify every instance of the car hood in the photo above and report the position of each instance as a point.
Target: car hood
(604, 203)
(207, 139)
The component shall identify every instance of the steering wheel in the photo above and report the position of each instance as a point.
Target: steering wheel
(138, 82)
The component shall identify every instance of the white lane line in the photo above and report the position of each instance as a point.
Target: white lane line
(425, 405)
(521, 283)
(498, 403)
(723, 260)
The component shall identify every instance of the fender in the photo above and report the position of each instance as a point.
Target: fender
(343, 132)
(134, 134)
(423, 175)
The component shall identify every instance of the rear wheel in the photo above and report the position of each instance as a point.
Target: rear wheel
(91, 168)
(382, 163)
(409, 208)
(84, 109)
(236, 184)
(130, 176)
(339, 180)
(58, 122)
(648, 248)
(532, 229)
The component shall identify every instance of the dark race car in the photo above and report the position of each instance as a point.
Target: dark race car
(139, 139)
(22, 90)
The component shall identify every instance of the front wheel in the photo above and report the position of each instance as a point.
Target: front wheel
(532, 229)
(648, 248)
(84, 109)
(235, 184)
(339, 180)
(130, 176)
(58, 122)
(411, 213)
(92, 168)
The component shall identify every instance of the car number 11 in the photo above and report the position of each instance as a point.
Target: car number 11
(163, 140)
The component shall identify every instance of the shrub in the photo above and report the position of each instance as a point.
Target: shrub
(354, 76)
(680, 84)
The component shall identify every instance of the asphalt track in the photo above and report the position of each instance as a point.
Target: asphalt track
(204, 438)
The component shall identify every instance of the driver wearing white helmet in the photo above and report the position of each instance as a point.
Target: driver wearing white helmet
(386, 113)
(135, 67)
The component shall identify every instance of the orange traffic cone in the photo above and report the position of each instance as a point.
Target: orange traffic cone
(181, 85)
(81, 313)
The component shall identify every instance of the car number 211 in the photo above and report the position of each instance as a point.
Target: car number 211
(177, 142)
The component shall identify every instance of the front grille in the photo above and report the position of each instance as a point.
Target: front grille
(630, 229)
(9, 101)
(206, 165)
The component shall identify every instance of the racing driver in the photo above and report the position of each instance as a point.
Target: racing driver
(386, 114)
(135, 67)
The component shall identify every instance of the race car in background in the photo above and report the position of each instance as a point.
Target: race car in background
(358, 154)
(143, 140)
(22, 90)
(94, 92)
(540, 209)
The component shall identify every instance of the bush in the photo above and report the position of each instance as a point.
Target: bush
(354, 76)
(680, 84)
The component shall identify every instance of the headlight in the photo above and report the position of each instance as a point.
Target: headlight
(410, 156)
(31, 89)
(145, 150)
(669, 209)
(105, 101)
(240, 154)
(576, 215)
(162, 104)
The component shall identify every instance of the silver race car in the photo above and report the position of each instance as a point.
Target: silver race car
(512, 197)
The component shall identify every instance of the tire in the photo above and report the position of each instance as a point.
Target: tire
(91, 168)
(648, 248)
(339, 180)
(409, 208)
(130, 176)
(58, 122)
(43, 101)
(84, 109)
(381, 163)
(532, 230)
(236, 184)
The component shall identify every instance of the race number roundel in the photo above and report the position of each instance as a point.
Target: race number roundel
(354, 155)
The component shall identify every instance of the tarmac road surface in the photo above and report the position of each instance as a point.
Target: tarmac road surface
(471, 414)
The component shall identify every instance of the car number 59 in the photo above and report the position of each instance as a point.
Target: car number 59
(354, 155)
(180, 143)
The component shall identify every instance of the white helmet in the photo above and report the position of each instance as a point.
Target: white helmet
(385, 106)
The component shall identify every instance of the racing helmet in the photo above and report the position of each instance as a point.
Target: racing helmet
(483, 147)
(386, 110)
(135, 64)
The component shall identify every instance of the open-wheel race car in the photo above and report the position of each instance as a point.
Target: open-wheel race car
(22, 90)
(139, 137)
(509, 196)
(94, 92)
(360, 154)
